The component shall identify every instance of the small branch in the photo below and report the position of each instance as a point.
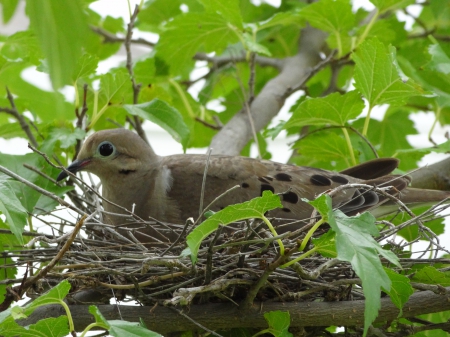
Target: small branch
(23, 124)
(20, 290)
(219, 61)
(208, 125)
(111, 38)
(40, 190)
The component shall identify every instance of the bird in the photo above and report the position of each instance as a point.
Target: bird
(168, 188)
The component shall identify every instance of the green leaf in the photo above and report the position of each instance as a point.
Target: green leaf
(332, 16)
(114, 91)
(400, 290)
(188, 32)
(430, 275)
(86, 65)
(30, 198)
(252, 209)
(279, 322)
(123, 328)
(439, 59)
(377, 75)
(48, 327)
(99, 319)
(332, 148)
(54, 296)
(16, 215)
(355, 244)
(440, 148)
(335, 17)
(281, 18)
(21, 46)
(61, 28)
(8, 243)
(334, 109)
(67, 137)
(229, 10)
(253, 46)
(391, 5)
(162, 114)
(326, 244)
(8, 9)
(156, 12)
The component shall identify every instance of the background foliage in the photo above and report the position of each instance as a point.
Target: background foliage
(237, 53)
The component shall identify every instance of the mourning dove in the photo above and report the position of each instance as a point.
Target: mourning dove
(169, 188)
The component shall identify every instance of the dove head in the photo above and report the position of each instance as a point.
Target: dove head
(112, 153)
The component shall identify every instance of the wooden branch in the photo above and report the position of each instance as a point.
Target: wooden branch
(295, 72)
(227, 316)
(435, 176)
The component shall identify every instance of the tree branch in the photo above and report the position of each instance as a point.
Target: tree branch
(227, 316)
(295, 72)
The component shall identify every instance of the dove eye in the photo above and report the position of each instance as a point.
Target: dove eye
(106, 149)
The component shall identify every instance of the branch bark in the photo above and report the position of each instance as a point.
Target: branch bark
(227, 316)
(435, 176)
(295, 71)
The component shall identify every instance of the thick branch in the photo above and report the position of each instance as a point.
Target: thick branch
(227, 316)
(296, 70)
(435, 176)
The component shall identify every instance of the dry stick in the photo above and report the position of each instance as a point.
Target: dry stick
(111, 38)
(42, 174)
(13, 112)
(189, 221)
(209, 257)
(129, 65)
(196, 323)
(219, 61)
(215, 200)
(253, 291)
(202, 192)
(208, 125)
(20, 290)
(40, 190)
(247, 105)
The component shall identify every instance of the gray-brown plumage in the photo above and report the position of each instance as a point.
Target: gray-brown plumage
(169, 188)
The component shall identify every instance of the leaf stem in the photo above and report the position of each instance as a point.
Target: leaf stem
(368, 27)
(274, 232)
(69, 315)
(438, 113)
(366, 122)
(310, 233)
(301, 257)
(349, 144)
(183, 97)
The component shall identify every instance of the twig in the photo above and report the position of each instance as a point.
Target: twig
(129, 65)
(111, 38)
(33, 279)
(214, 201)
(40, 190)
(205, 175)
(209, 257)
(196, 323)
(13, 112)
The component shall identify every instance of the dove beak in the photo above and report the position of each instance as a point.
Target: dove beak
(76, 166)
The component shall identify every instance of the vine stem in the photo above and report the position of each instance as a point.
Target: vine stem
(349, 144)
(366, 122)
(368, 27)
(310, 233)
(274, 232)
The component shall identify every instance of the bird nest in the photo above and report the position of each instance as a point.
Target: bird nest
(238, 263)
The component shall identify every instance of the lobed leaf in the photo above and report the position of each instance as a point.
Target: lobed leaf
(251, 209)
